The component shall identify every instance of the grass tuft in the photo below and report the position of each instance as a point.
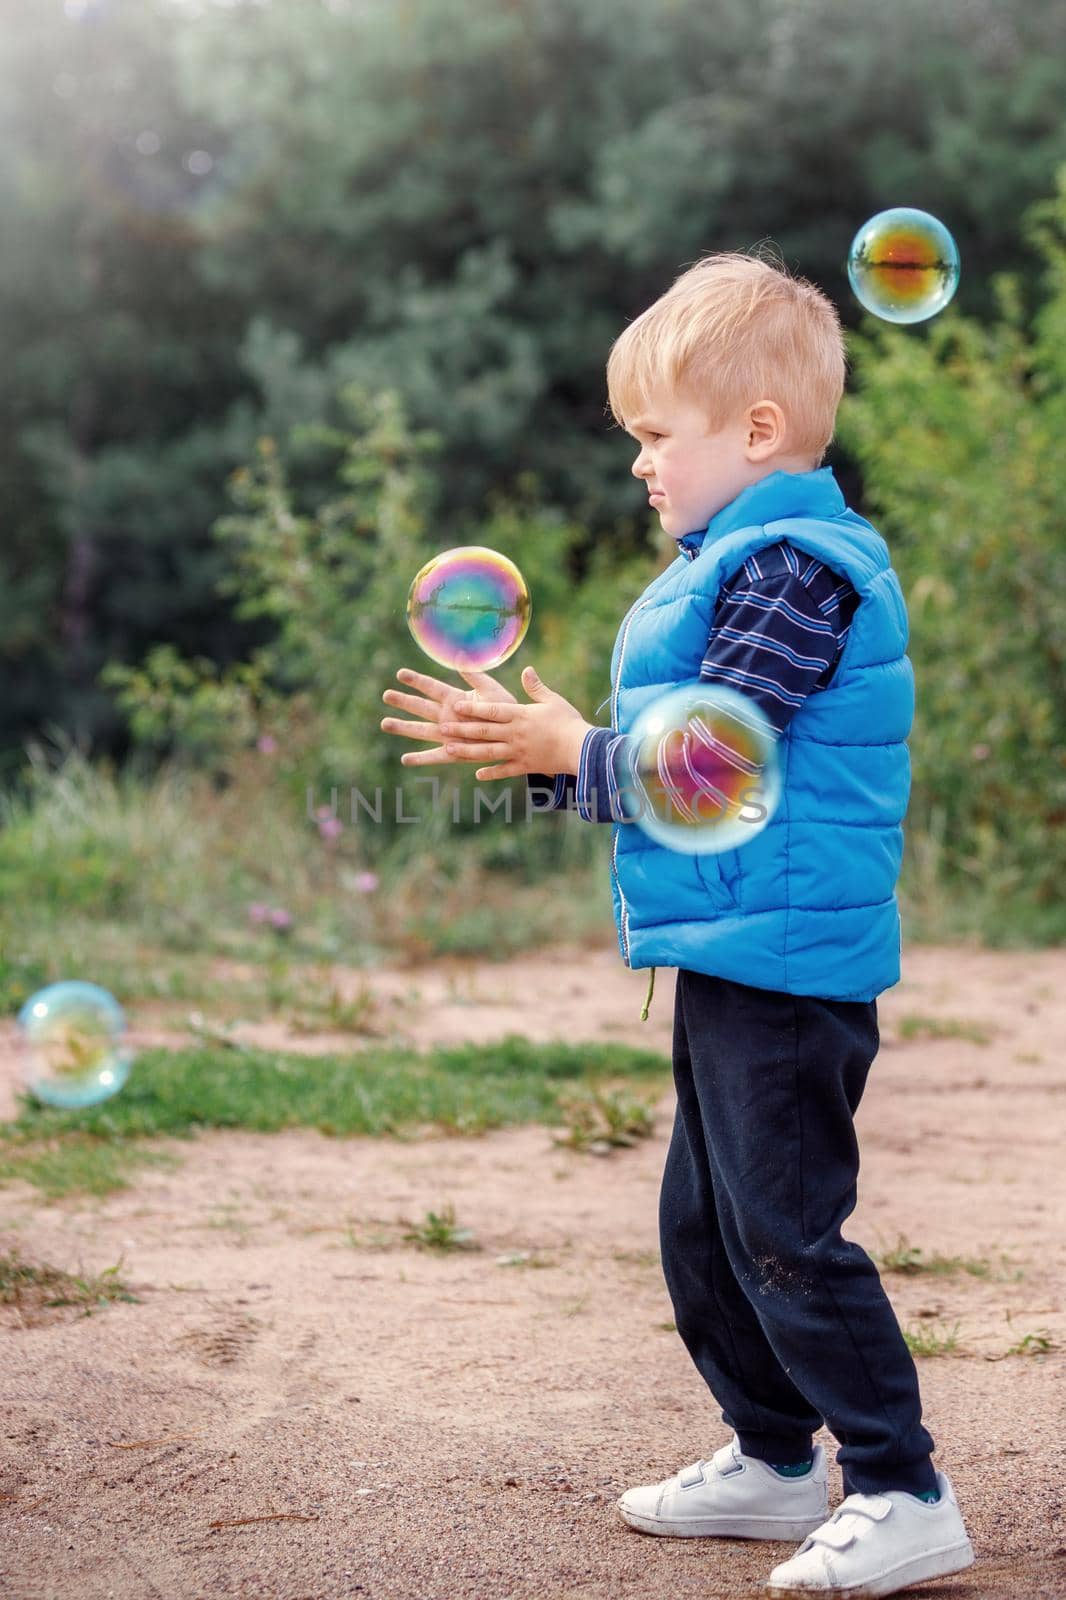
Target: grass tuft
(600, 1120)
(916, 1026)
(924, 1340)
(29, 1289)
(440, 1233)
(911, 1260)
(1032, 1344)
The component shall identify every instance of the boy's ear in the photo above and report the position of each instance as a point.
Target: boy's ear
(765, 430)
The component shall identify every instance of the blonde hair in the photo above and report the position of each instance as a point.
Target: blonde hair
(732, 330)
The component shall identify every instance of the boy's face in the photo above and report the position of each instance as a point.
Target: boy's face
(692, 473)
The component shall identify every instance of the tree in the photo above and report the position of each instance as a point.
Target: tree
(221, 215)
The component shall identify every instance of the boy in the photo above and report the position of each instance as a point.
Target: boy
(730, 384)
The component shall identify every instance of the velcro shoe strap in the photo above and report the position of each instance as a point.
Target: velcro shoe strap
(842, 1528)
(688, 1477)
(725, 1461)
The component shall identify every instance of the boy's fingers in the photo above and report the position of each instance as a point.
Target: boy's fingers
(426, 758)
(419, 680)
(410, 730)
(487, 684)
(478, 752)
(491, 711)
(506, 769)
(409, 702)
(469, 730)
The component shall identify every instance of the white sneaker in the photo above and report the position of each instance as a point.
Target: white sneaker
(731, 1496)
(874, 1544)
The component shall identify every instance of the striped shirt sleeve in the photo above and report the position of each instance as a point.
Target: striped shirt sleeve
(778, 630)
(548, 792)
(777, 634)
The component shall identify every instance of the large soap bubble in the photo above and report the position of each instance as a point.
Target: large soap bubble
(469, 608)
(74, 1044)
(903, 265)
(705, 770)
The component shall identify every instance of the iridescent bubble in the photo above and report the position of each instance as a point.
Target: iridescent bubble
(903, 265)
(469, 608)
(74, 1047)
(706, 770)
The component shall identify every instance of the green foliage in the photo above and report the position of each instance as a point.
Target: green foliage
(20, 974)
(959, 437)
(916, 1026)
(599, 1120)
(218, 216)
(439, 1232)
(83, 841)
(150, 885)
(1032, 1344)
(332, 580)
(911, 1259)
(32, 1288)
(927, 1339)
(193, 706)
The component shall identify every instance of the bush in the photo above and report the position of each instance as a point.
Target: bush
(959, 437)
(331, 583)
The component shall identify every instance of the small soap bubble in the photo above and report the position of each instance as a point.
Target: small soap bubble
(469, 608)
(73, 1038)
(706, 773)
(903, 265)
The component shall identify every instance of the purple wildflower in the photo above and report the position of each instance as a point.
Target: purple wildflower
(366, 882)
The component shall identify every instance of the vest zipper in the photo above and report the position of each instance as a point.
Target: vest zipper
(614, 724)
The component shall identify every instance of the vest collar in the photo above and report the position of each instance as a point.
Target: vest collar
(778, 495)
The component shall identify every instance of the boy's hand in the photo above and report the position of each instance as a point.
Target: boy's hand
(440, 704)
(544, 736)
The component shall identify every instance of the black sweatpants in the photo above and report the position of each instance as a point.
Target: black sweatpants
(787, 1321)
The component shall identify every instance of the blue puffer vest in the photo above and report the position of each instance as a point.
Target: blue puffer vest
(807, 906)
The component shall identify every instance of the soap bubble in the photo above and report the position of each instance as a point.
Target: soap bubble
(469, 608)
(903, 265)
(705, 768)
(73, 1044)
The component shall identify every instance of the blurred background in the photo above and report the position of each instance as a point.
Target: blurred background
(294, 295)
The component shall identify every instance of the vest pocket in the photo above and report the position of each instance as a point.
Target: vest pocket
(729, 866)
(720, 876)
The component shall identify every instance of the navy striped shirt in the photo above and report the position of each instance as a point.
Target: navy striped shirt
(778, 631)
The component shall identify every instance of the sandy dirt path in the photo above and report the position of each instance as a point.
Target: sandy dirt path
(438, 1427)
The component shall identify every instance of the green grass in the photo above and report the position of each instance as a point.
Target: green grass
(465, 1090)
(912, 1260)
(923, 1339)
(923, 1027)
(140, 883)
(998, 912)
(73, 1163)
(1032, 1344)
(32, 1288)
(439, 1232)
(600, 1120)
